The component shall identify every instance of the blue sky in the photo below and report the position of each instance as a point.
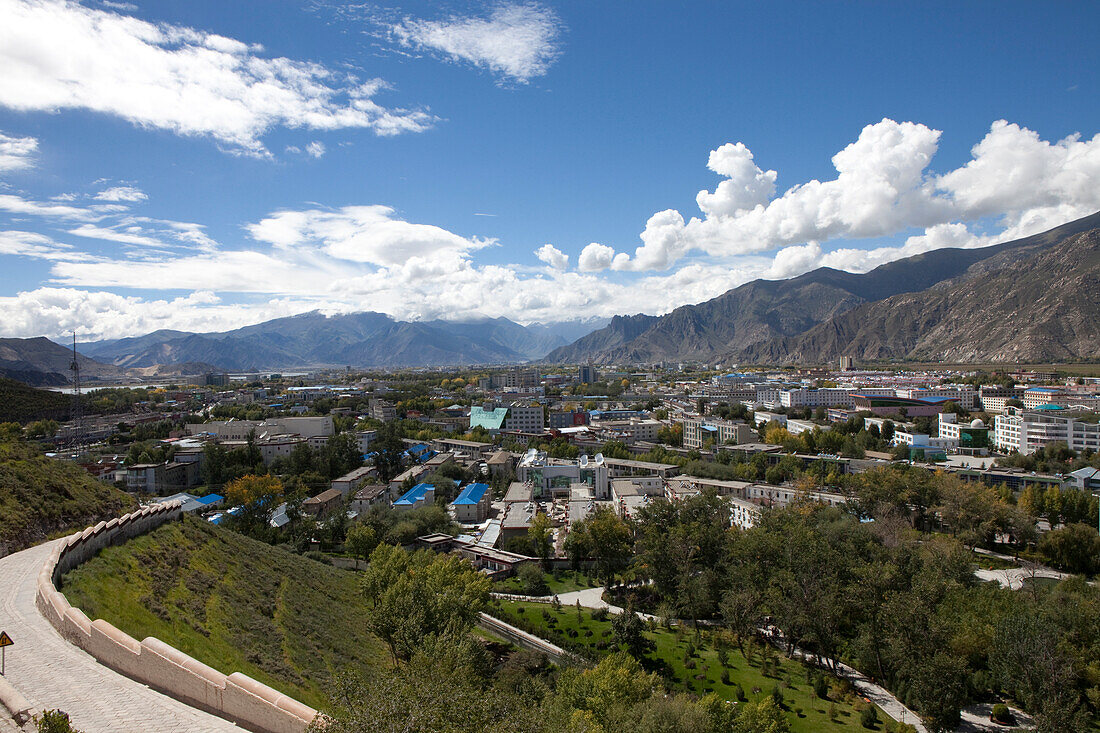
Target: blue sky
(205, 165)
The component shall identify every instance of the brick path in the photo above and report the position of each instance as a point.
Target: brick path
(52, 673)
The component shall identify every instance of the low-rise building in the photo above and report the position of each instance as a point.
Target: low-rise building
(350, 482)
(416, 497)
(367, 496)
(324, 504)
(471, 506)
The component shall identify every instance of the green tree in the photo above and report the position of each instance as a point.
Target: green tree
(604, 537)
(419, 596)
(388, 451)
(762, 716)
(1074, 548)
(361, 541)
(629, 632)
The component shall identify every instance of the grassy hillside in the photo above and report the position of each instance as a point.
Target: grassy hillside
(233, 603)
(21, 403)
(41, 497)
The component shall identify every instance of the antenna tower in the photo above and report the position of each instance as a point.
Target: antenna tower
(76, 411)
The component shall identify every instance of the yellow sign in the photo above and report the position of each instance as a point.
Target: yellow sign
(5, 640)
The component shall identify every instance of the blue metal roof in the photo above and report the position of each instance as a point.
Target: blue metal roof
(472, 494)
(415, 494)
(210, 498)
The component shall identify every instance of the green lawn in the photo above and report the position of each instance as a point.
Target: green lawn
(565, 582)
(234, 604)
(670, 658)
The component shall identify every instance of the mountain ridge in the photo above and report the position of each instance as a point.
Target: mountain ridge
(761, 320)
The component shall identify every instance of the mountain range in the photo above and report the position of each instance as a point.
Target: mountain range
(357, 339)
(1034, 299)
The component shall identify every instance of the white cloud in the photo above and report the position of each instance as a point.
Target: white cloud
(519, 41)
(595, 257)
(32, 244)
(552, 256)
(121, 193)
(883, 186)
(16, 153)
(315, 149)
(60, 55)
(132, 236)
(20, 206)
(98, 315)
(745, 187)
(368, 234)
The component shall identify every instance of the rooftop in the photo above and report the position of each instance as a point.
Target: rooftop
(472, 494)
(415, 494)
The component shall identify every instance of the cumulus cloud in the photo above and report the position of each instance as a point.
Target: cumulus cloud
(61, 55)
(745, 187)
(595, 257)
(315, 149)
(517, 41)
(121, 193)
(16, 153)
(368, 234)
(883, 186)
(552, 256)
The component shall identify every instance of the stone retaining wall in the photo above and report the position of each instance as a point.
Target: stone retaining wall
(236, 697)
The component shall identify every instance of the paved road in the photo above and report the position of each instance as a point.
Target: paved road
(53, 674)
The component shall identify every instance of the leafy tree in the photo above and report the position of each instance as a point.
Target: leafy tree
(1074, 548)
(388, 451)
(361, 540)
(762, 716)
(419, 596)
(604, 537)
(257, 497)
(629, 632)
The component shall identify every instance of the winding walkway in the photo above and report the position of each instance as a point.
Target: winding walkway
(53, 674)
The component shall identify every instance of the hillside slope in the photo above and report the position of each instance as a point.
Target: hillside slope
(21, 403)
(759, 320)
(1043, 308)
(41, 497)
(40, 362)
(235, 604)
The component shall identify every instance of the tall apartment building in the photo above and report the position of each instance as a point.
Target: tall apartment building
(1026, 431)
(588, 374)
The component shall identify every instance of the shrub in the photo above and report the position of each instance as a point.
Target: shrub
(777, 696)
(821, 687)
(53, 721)
(739, 692)
(1001, 714)
(689, 664)
(832, 712)
(868, 718)
(599, 614)
(723, 656)
(725, 676)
